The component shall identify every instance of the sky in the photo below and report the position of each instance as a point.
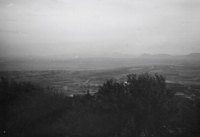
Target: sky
(99, 27)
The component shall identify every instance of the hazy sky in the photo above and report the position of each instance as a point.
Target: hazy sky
(49, 27)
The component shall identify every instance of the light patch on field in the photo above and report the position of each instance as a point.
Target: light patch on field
(169, 81)
(156, 71)
(134, 69)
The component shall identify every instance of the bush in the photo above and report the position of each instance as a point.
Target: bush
(154, 109)
(141, 106)
(26, 106)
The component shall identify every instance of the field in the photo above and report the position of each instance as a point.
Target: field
(81, 81)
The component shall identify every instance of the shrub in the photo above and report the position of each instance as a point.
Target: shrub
(26, 106)
(141, 106)
(154, 109)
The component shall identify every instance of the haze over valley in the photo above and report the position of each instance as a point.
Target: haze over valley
(99, 68)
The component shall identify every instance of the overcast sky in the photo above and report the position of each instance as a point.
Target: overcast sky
(53, 27)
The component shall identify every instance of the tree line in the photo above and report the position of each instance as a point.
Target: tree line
(143, 106)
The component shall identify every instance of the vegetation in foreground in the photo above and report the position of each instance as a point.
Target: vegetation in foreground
(141, 106)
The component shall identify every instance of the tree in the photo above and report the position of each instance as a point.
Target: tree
(145, 97)
(111, 95)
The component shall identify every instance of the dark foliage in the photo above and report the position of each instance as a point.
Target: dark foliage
(25, 106)
(141, 106)
(154, 109)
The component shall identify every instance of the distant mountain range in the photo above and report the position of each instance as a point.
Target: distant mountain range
(193, 55)
(116, 55)
(167, 56)
(145, 55)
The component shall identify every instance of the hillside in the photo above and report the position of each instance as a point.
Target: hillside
(118, 109)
